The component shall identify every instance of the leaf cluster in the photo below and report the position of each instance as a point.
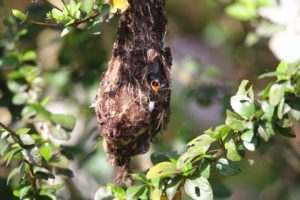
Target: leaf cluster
(83, 14)
(33, 158)
(250, 122)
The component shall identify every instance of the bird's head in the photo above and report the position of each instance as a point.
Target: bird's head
(155, 82)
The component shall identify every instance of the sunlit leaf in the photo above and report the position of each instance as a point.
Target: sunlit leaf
(26, 139)
(232, 153)
(276, 94)
(104, 193)
(87, 5)
(162, 169)
(199, 189)
(66, 121)
(172, 186)
(119, 5)
(18, 14)
(24, 191)
(134, 191)
(242, 105)
(12, 174)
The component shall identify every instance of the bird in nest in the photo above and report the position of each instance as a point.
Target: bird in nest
(131, 111)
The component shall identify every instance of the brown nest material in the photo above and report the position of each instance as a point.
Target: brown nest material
(132, 104)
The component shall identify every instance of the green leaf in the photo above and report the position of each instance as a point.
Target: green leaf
(9, 61)
(4, 135)
(66, 173)
(66, 121)
(265, 131)
(145, 195)
(95, 28)
(205, 168)
(46, 100)
(26, 140)
(242, 88)
(19, 15)
(156, 193)
(57, 15)
(87, 6)
(198, 189)
(296, 114)
(202, 142)
(162, 169)
(42, 173)
(23, 131)
(45, 195)
(66, 31)
(234, 123)
(268, 111)
(133, 192)
(227, 167)
(251, 145)
(22, 170)
(276, 94)
(11, 154)
(58, 160)
(159, 157)
(268, 74)
(117, 191)
(59, 133)
(29, 56)
(241, 12)
(20, 98)
(46, 151)
(242, 105)
(104, 193)
(4, 148)
(282, 69)
(141, 177)
(188, 156)
(24, 191)
(232, 153)
(12, 174)
(172, 186)
(247, 135)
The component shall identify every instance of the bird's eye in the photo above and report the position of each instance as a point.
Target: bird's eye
(155, 85)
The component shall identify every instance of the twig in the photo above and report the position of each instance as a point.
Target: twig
(13, 134)
(33, 181)
(76, 23)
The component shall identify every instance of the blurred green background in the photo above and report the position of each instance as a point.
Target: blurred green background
(210, 58)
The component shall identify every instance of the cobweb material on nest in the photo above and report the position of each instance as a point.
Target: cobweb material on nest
(132, 104)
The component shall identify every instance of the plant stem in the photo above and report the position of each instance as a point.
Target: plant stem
(13, 134)
(33, 181)
(76, 23)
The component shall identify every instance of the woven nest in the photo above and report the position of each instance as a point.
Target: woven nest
(132, 104)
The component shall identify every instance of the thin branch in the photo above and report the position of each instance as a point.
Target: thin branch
(33, 181)
(13, 134)
(76, 23)
(66, 7)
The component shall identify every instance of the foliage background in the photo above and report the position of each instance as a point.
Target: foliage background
(210, 59)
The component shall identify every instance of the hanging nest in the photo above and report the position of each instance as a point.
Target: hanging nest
(132, 104)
